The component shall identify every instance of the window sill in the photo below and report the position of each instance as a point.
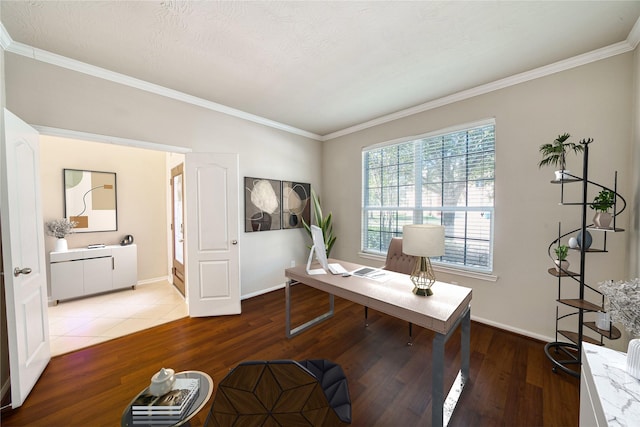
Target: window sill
(440, 268)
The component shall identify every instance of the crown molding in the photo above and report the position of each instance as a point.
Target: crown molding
(632, 41)
(102, 73)
(564, 65)
(5, 38)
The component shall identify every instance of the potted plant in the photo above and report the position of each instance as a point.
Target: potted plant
(601, 204)
(561, 263)
(60, 229)
(554, 154)
(324, 223)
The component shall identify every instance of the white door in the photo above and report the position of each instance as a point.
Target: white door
(212, 256)
(24, 259)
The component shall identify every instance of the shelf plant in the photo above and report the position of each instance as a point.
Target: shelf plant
(554, 154)
(561, 253)
(601, 204)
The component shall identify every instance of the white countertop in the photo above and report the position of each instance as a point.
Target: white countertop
(618, 392)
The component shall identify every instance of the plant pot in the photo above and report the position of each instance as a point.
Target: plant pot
(562, 174)
(61, 245)
(602, 219)
(562, 266)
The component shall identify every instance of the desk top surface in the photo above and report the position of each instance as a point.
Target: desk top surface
(393, 296)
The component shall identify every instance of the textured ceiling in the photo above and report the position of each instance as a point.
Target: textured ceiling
(319, 66)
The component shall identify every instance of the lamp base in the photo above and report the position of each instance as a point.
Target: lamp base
(423, 292)
(423, 277)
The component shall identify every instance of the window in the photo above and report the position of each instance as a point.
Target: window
(441, 178)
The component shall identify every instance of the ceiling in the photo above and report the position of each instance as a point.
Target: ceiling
(320, 67)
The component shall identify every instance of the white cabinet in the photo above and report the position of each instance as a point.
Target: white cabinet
(125, 266)
(80, 272)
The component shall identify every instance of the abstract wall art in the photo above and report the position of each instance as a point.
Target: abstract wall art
(296, 204)
(90, 200)
(261, 204)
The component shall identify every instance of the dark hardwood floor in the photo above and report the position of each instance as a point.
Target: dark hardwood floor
(511, 381)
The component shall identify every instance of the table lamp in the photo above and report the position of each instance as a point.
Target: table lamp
(423, 241)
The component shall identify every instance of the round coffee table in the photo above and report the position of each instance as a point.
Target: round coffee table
(204, 394)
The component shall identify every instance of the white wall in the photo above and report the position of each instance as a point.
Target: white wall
(590, 101)
(46, 95)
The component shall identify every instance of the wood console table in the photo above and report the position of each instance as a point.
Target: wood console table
(442, 312)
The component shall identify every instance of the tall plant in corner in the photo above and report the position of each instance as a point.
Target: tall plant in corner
(323, 222)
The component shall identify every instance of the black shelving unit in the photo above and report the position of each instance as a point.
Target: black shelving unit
(565, 352)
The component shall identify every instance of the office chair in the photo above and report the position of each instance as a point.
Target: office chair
(282, 393)
(400, 263)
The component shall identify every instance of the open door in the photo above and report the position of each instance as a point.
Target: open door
(213, 268)
(23, 257)
(177, 227)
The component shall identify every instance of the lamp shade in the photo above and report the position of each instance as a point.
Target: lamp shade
(423, 240)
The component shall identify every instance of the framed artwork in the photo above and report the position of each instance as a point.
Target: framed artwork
(261, 204)
(296, 204)
(90, 200)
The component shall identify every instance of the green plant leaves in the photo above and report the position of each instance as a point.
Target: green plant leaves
(324, 223)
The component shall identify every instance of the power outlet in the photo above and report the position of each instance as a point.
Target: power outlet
(293, 263)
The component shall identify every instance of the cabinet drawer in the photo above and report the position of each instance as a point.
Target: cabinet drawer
(97, 275)
(67, 280)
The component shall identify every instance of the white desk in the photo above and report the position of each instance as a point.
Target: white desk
(448, 307)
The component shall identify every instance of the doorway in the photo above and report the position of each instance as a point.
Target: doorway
(177, 227)
(144, 211)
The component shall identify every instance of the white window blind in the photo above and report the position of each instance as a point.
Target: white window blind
(445, 178)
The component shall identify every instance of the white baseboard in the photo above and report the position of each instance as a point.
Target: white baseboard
(153, 280)
(512, 329)
(474, 318)
(262, 292)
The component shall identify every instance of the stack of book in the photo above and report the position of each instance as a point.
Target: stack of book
(168, 408)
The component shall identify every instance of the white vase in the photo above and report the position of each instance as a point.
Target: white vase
(61, 245)
(603, 321)
(562, 266)
(633, 358)
(602, 219)
(562, 174)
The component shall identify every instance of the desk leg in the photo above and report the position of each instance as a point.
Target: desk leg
(298, 329)
(441, 409)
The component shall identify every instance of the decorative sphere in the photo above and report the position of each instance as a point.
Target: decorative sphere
(587, 240)
(573, 243)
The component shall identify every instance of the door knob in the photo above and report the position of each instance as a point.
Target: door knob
(18, 271)
(234, 242)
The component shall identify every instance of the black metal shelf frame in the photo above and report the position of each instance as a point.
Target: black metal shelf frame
(573, 350)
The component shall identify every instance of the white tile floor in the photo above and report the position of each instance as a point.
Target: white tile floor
(83, 322)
